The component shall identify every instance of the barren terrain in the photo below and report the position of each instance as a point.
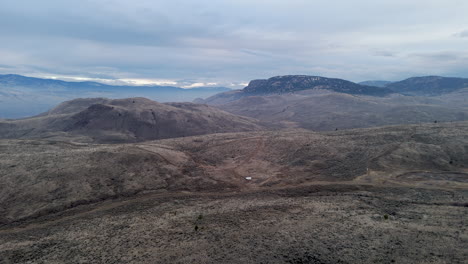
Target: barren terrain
(389, 194)
(104, 120)
(326, 111)
(314, 224)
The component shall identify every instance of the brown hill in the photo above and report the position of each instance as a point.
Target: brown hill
(323, 110)
(126, 120)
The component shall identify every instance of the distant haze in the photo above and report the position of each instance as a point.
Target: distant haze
(227, 43)
(22, 96)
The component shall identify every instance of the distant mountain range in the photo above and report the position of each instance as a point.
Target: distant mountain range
(22, 96)
(420, 86)
(294, 84)
(320, 103)
(423, 86)
(428, 85)
(375, 83)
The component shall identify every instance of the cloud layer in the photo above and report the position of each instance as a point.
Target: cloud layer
(190, 43)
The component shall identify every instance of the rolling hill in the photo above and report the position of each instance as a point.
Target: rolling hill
(125, 120)
(322, 104)
(292, 196)
(330, 111)
(428, 85)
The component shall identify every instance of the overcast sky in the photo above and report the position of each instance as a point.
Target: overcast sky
(228, 43)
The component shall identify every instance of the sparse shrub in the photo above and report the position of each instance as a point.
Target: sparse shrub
(385, 216)
(198, 221)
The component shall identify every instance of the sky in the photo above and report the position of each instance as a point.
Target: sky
(228, 43)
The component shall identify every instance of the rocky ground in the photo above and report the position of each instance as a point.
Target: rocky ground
(382, 195)
(310, 224)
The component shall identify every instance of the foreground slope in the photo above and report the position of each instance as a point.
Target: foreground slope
(381, 195)
(125, 120)
(43, 176)
(312, 224)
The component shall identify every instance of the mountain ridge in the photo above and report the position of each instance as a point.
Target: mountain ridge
(295, 83)
(288, 84)
(377, 83)
(429, 85)
(17, 79)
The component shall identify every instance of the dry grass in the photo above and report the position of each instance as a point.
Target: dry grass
(311, 198)
(261, 227)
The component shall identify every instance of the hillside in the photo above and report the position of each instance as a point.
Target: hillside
(329, 111)
(39, 177)
(354, 196)
(428, 85)
(125, 120)
(296, 83)
(376, 83)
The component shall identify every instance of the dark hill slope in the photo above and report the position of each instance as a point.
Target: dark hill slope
(126, 120)
(295, 83)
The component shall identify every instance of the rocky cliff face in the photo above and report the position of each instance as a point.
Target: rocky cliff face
(294, 83)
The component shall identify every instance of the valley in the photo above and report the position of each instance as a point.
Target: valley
(304, 174)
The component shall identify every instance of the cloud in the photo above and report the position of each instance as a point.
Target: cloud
(228, 42)
(200, 84)
(383, 53)
(440, 57)
(462, 34)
